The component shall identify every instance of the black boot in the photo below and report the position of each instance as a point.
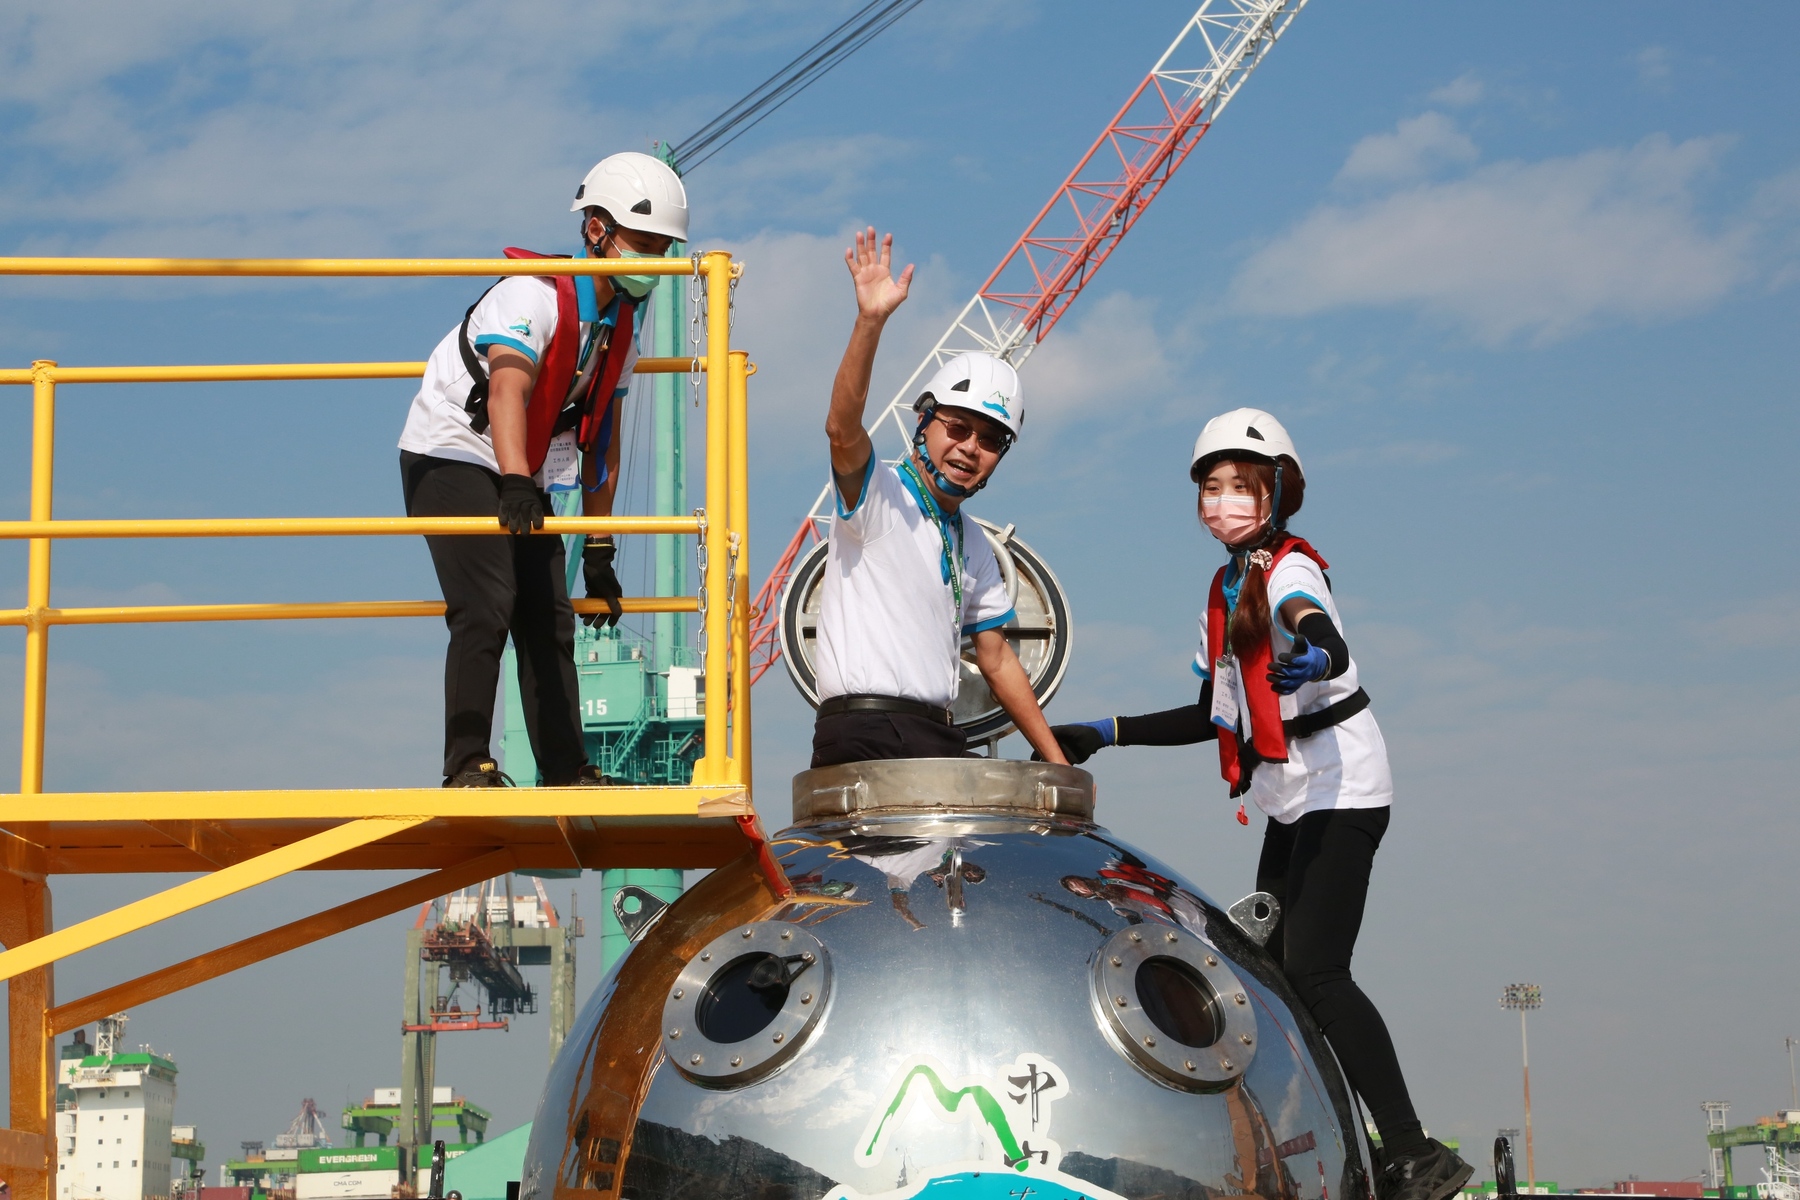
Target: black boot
(1433, 1173)
(482, 772)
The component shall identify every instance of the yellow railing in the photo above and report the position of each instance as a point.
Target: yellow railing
(243, 838)
(724, 540)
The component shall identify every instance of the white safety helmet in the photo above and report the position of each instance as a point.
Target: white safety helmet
(1249, 431)
(980, 383)
(640, 192)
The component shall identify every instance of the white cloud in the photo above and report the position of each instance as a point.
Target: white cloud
(1464, 90)
(1417, 146)
(1541, 248)
(1653, 67)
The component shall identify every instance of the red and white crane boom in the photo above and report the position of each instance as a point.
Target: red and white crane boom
(1077, 229)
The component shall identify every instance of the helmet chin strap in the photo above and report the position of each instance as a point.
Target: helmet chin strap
(1275, 527)
(937, 476)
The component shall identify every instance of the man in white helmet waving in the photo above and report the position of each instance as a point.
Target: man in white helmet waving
(521, 399)
(907, 579)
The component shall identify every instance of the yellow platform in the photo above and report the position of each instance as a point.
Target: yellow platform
(235, 840)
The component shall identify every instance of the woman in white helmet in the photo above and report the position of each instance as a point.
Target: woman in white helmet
(1279, 693)
(524, 397)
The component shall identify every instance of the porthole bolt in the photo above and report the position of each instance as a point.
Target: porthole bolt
(737, 1061)
(1137, 937)
(1225, 1064)
(1170, 936)
(806, 956)
(1244, 1038)
(1240, 998)
(1211, 961)
(787, 935)
(674, 1033)
(706, 957)
(806, 998)
(1120, 1001)
(1148, 1040)
(749, 932)
(680, 992)
(694, 1061)
(1117, 961)
(1189, 1064)
(780, 1038)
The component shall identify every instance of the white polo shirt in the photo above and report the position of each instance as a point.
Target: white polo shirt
(888, 624)
(1345, 766)
(519, 312)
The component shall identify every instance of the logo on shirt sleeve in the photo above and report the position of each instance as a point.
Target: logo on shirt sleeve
(522, 328)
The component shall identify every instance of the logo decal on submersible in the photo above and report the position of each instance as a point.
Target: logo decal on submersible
(1012, 1110)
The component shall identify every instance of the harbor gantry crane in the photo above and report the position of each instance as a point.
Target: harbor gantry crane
(480, 936)
(1080, 226)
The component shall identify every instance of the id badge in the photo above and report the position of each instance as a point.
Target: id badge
(561, 471)
(1225, 705)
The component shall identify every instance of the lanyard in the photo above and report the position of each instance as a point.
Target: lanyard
(952, 564)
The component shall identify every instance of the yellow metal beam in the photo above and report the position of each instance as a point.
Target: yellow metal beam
(250, 372)
(24, 920)
(643, 804)
(293, 935)
(196, 892)
(37, 578)
(22, 1151)
(715, 634)
(44, 527)
(161, 613)
(333, 267)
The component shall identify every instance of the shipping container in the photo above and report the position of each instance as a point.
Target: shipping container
(346, 1185)
(328, 1160)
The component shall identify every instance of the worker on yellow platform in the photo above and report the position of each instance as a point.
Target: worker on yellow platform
(524, 398)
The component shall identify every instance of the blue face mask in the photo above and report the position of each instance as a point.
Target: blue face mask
(636, 286)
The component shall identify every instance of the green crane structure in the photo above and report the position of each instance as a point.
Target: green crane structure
(1782, 1132)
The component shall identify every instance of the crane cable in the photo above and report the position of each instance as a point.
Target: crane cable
(852, 35)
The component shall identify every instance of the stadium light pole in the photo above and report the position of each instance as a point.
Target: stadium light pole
(1524, 997)
(1793, 1089)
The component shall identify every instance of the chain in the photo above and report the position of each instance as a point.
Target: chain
(700, 559)
(696, 326)
(731, 567)
(737, 273)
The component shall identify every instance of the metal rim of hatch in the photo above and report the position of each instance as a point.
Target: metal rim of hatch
(1140, 1033)
(715, 977)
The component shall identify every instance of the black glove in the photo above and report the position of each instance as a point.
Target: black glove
(1079, 742)
(521, 504)
(602, 583)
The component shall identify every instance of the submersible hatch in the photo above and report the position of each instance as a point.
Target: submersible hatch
(973, 991)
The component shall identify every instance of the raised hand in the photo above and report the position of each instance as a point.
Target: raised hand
(870, 261)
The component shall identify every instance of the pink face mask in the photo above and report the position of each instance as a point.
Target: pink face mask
(1231, 518)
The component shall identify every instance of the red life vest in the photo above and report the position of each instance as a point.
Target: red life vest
(556, 372)
(1267, 737)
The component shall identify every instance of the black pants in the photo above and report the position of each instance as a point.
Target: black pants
(861, 736)
(1318, 868)
(494, 586)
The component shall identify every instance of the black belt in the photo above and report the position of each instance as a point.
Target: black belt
(1304, 725)
(837, 706)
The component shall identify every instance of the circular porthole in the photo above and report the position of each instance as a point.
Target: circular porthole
(1168, 1003)
(746, 1003)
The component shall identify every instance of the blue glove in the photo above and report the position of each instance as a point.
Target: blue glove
(1083, 739)
(1303, 664)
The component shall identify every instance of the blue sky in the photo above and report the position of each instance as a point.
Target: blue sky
(1519, 278)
